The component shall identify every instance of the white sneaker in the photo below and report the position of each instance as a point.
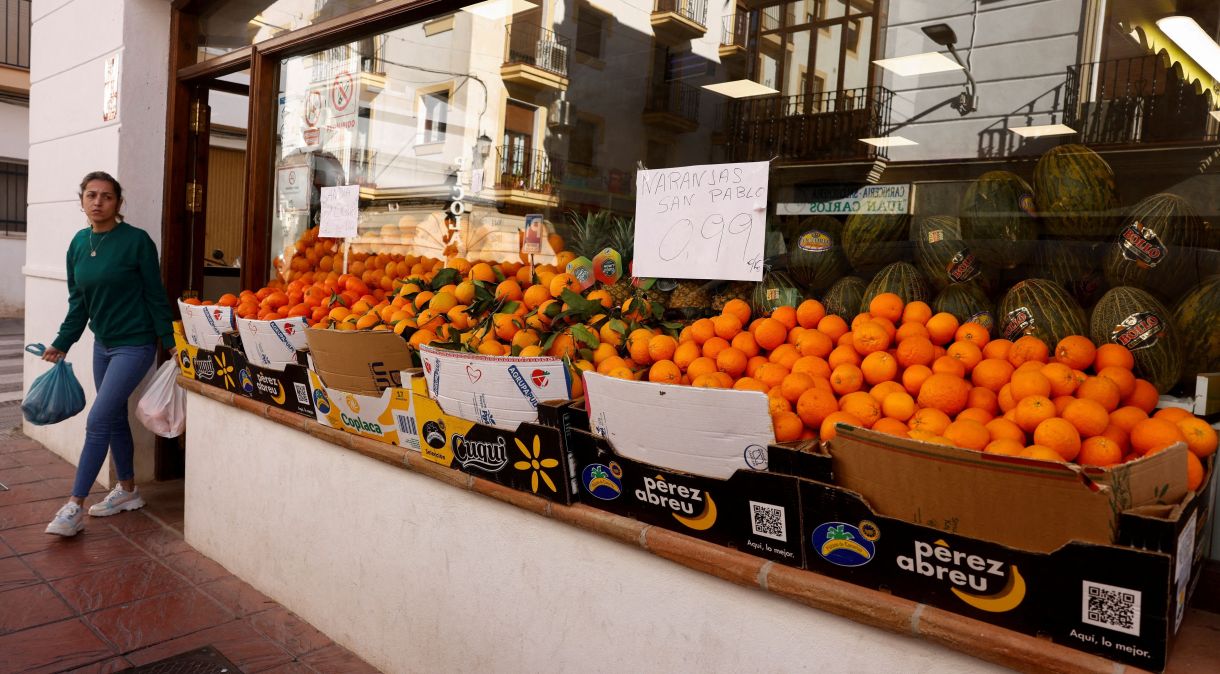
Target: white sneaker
(68, 521)
(116, 502)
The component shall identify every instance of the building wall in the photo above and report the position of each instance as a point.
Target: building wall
(70, 41)
(14, 144)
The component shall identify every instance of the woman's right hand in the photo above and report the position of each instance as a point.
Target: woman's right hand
(53, 355)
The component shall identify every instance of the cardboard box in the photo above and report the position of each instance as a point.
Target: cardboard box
(533, 458)
(207, 366)
(362, 362)
(500, 391)
(228, 368)
(203, 326)
(272, 344)
(386, 417)
(1027, 504)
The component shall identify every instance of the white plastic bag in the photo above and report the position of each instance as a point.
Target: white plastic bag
(162, 408)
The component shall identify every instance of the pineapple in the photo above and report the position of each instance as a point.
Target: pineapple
(732, 290)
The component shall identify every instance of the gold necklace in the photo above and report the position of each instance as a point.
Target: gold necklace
(93, 249)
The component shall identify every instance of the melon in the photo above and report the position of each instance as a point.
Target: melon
(815, 252)
(1197, 318)
(1156, 248)
(1041, 308)
(1075, 265)
(844, 297)
(1075, 193)
(941, 254)
(998, 221)
(1135, 319)
(968, 303)
(900, 278)
(776, 289)
(873, 240)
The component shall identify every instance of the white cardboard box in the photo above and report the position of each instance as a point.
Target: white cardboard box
(500, 391)
(203, 325)
(272, 344)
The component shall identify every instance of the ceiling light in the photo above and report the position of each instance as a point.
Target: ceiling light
(499, 9)
(740, 89)
(1042, 130)
(1194, 41)
(919, 64)
(888, 141)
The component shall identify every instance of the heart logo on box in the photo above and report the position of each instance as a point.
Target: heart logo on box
(473, 374)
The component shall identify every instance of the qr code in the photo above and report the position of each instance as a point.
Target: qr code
(302, 393)
(768, 520)
(1115, 608)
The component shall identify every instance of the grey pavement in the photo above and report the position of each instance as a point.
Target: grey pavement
(11, 354)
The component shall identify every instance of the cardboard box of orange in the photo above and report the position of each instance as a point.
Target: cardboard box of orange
(227, 367)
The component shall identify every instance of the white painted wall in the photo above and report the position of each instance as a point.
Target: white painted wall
(414, 575)
(67, 139)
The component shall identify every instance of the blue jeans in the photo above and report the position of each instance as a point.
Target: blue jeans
(117, 371)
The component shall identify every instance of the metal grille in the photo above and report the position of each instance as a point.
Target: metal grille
(695, 10)
(678, 98)
(821, 126)
(538, 47)
(521, 169)
(206, 660)
(734, 29)
(13, 182)
(15, 33)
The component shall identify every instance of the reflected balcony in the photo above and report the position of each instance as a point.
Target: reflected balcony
(1138, 100)
(676, 21)
(525, 178)
(824, 126)
(673, 107)
(535, 58)
(733, 37)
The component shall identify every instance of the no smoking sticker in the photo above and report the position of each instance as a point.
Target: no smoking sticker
(341, 91)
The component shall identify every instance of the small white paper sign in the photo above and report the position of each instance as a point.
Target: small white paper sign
(701, 222)
(709, 432)
(340, 211)
(497, 391)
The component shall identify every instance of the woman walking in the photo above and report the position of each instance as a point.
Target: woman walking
(114, 285)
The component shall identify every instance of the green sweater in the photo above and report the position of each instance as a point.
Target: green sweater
(118, 292)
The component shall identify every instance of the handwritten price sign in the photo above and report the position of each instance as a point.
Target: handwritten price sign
(701, 222)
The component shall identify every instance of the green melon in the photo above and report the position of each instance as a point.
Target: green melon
(1197, 318)
(900, 278)
(1157, 247)
(873, 240)
(844, 297)
(1075, 193)
(1135, 319)
(1040, 308)
(776, 289)
(968, 304)
(998, 219)
(941, 254)
(1075, 265)
(815, 251)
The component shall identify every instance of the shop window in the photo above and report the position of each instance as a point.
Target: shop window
(228, 25)
(583, 149)
(434, 116)
(590, 32)
(13, 181)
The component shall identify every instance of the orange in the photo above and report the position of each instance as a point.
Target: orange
(1121, 377)
(808, 314)
(880, 391)
(978, 414)
(870, 337)
(700, 366)
(1059, 435)
(834, 326)
(878, 367)
(1174, 414)
(702, 330)
(1154, 434)
(1194, 472)
(984, 400)
(973, 332)
(664, 372)
(914, 377)
(777, 404)
(1004, 446)
(891, 427)
(1041, 453)
(661, 347)
(992, 373)
(900, 406)
(726, 325)
(1101, 390)
(1200, 437)
(812, 366)
(1003, 429)
(997, 348)
(1026, 349)
(968, 434)
(916, 312)
(1099, 451)
(732, 362)
(929, 420)
(754, 363)
(944, 392)
(637, 345)
(744, 342)
(1112, 355)
(843, 355)
(1032, 411)
(785, 315)
(1062, 379)
(702, 381)
(846, 340)
(1088, 416)
(968, 353)
(771, 374)
(1025, 384)
(685, 354)
(560, 283)
(1118, 436)
(713, 346)
(815, 343)
(909, 330)
(862, 406)
(785, 355)
(1076, 352)
(788, 427)
(949, 365)
(846, 378)
(738, 308)
(749, 384)
(886, 305)
(815, 405)
(942, 327)
(794, 385)
(1127, 417)
(770, 333)
(1061, 404)
(827, 430)
(510, 290)
(915, 351)
(1143, 396)
(860, 319)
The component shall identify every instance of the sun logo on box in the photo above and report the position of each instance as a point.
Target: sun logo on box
(537, 466)
(225, 369)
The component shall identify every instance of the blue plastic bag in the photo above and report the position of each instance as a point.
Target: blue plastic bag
(55, 395)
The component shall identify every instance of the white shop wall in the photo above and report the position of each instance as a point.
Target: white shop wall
(67, 139)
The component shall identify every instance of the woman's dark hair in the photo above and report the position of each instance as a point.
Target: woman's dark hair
(102, 175)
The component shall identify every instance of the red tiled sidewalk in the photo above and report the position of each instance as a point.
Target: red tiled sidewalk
(127, 590)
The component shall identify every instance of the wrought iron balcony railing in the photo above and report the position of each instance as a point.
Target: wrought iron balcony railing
(526, 170)
(734, 29)
(15, 33)
(1134, 100)
(536, 46)
(695, 10)
(822, 126)
(676, 98)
